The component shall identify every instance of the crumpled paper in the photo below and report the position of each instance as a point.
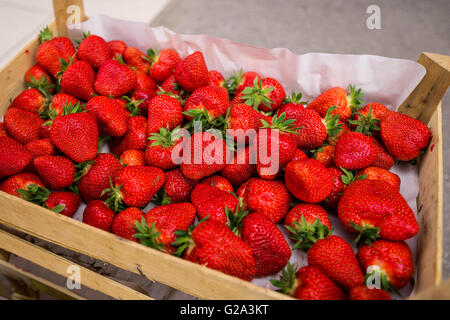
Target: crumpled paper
(385, 80)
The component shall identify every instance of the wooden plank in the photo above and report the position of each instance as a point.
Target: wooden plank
(430, 208)
(60, 8)
(440, 292)
(38, 283)
(59, 265)
(12, 75)
(423, 101)
(4, 255)
(177, 273)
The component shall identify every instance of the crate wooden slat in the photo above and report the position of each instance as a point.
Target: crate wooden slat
(59, 265)
(195, 279)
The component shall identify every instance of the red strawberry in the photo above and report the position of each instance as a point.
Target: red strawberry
(177, 188)
(170, 85)
(268, 197)
(125, 222)
(308, 180)
(265, 95)
(158, 228)
(325, 155)
(213, 244)
(2, 130)
(210, 99)
(76, 135)
(159, 151)
(216, 78)
(110, 115)
(63, 202)
(338, 186)
(94, 50)
(97, 214)
(14, 158)
(133, 157)
(57, 172)
(292, 105)
(299, 155)
(383, 159)
(134, 138)
(42, 147)
(143, 93)
(335, 258)
(241, 168)
(203, 155)
(354, 151)
(213, 202)
(23, 126)
(44, 131)
(117, 47)
(364, 293)
(192, 72)
(114, 79)
(375, 173)
(51, 51)
(242, 118)
(219, 182)
(134, 187)
(306, 223)
(37, 78)
(31, 100)
(239, 81)
(163, 111)
(337, 97)
(78, 80)
(403, 136)
(269, 248)
(308, 283)
(24, 180)
(394, 259)
(163, 64)
(276, 146)
(375, 209)
(58, 103)
(95, 176)
(135, 58)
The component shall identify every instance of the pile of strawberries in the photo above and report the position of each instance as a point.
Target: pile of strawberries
(334, 156)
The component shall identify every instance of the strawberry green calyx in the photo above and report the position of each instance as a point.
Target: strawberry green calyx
(133, 105)
(349, 176)
(115, 199)
(354, 99)
(64, 65)
(67, 109)
(42, 84)
(233, 82)
(295, 98)
(287, 283)
(120, 59)
(45, 35)
(148, 235)
(81, 169)
(161, 198)
(38, 195)
(165, 137)
(280, 123)
(84, 36)
(254, 96)
(171, 94)
(367, 233)
(332, 123)
(235, 219)
(208, 122)
(184, 239)
(377, 273)
(366, 124)
(152, 55)
(305, 234)
(35, 194)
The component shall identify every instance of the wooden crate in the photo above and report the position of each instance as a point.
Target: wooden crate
(15, 213)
